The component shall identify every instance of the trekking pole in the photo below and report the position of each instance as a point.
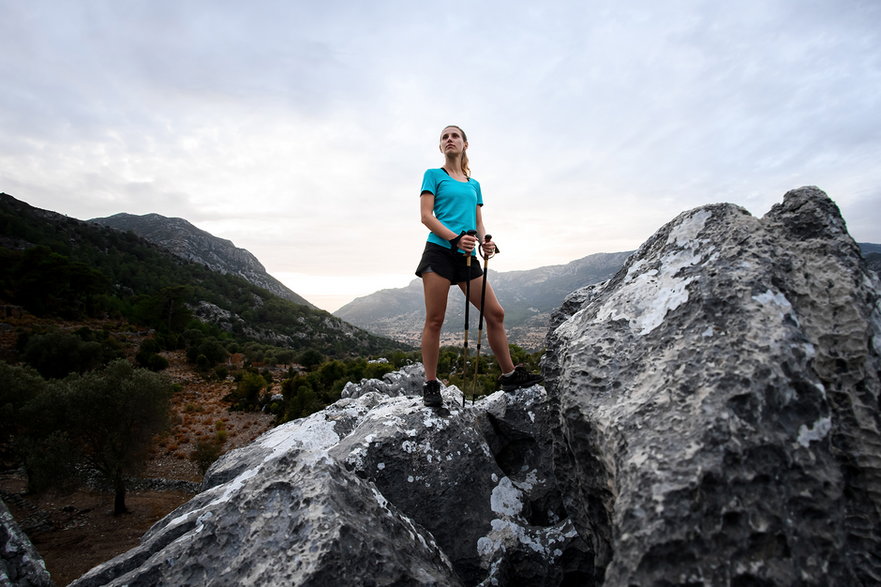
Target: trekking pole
(487, 238)
(467, 303)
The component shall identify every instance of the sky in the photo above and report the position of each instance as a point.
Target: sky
(300, 130)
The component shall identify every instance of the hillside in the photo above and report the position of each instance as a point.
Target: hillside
(194, 244)
(55, 265)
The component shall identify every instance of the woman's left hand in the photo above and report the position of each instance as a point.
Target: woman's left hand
(489, 248)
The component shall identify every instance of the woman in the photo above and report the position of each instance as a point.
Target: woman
(450, 203)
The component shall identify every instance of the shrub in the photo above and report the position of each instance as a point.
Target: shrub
(205, 453)
(18, 386)
(246, 395)
(56, 354)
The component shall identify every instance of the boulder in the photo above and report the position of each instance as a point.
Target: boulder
(374, 490)
(20, 563)
(717, 403)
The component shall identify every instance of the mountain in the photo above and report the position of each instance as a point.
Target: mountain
(528, 298)
(872, 253)
(56, 266)
(194, 244)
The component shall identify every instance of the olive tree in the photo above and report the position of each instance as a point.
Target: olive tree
(111, 416)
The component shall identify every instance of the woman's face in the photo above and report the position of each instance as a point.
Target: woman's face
(452, 141)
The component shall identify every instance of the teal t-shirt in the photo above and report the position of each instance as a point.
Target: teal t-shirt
(455, 202)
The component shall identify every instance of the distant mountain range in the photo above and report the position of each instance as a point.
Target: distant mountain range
(194, 244)
(528, 296)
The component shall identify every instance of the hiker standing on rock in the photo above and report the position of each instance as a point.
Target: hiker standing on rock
(450, 204)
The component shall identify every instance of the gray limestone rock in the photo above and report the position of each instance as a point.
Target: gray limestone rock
(374, 490)
(718, 404)
(405, 381)
(20, 563)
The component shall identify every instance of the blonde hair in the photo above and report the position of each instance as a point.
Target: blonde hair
(465, 168)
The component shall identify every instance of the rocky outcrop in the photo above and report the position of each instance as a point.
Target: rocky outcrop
(711, 418)
(193, 244)
(718, 404)
(375, 490)
(405, 381)
(20, 564)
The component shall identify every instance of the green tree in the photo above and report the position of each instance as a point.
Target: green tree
(47, 283)
(247, 393)
(166, 309)
(111, 416)
(330, 371)
(57, 353)
(377, 370)
(310, 358)
(18, 386)
(148, 356)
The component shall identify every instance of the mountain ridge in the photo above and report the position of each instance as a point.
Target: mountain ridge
(190, 242)
(54, 265)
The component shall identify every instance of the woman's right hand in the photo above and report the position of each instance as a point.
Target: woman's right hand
(467, 243)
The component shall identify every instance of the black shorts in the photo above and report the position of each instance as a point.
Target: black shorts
(448, 264)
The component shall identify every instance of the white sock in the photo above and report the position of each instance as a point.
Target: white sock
(509, 374)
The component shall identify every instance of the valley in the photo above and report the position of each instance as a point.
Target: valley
(76, 530)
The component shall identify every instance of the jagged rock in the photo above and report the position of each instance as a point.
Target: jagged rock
(718, 404)
(20, 564)
(405, 381)
(374, 490)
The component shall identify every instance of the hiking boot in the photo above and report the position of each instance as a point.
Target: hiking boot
(431, 396)
(519, 378)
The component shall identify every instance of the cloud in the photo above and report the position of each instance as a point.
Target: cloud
(301, 130)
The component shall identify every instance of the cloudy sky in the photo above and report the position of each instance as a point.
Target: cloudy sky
(301, 130)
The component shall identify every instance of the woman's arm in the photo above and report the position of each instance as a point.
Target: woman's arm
(426, 207)
(488, 247)
(480, 230)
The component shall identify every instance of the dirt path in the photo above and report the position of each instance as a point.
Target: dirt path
(75, 531)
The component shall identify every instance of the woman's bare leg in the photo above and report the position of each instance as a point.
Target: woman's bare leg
(494, 316)
(436, 289)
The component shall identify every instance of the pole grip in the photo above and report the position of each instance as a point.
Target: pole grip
(470, 233)
(487, 238)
